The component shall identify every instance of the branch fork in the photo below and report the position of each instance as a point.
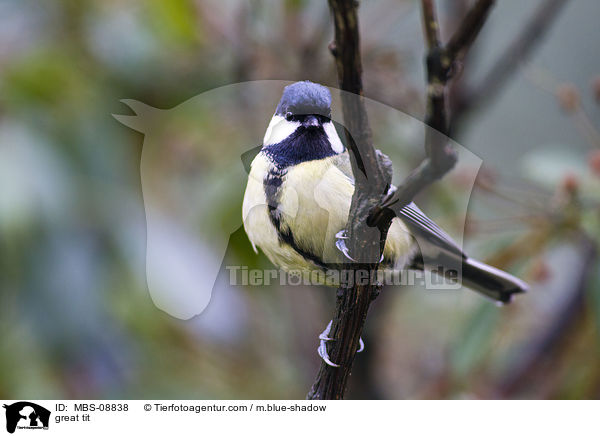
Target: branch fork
(374, 204)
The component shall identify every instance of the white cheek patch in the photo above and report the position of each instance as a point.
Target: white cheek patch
(334, 139)
(279, 129)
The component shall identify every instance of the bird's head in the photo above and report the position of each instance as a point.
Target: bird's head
(301, 128)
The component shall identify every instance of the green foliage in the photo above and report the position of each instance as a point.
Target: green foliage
(474, 340)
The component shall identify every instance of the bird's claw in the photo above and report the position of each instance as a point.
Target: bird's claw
(323, 353)
(387, 201)
(361, 346)
(341, 234)
(322, 350)
(324, 338)
(341, 244)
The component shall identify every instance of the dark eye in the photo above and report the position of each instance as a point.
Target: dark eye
(289, 116)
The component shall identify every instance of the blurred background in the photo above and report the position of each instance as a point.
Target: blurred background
(76, 316)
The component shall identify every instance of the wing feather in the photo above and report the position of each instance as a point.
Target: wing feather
(421, 226)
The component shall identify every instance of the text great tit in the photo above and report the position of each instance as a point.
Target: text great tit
(299, 193)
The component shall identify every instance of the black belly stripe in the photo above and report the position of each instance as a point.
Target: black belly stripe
(272, 186)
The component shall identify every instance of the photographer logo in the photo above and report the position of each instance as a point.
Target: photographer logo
(26, 415)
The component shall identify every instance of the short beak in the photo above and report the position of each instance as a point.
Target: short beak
(311, 121)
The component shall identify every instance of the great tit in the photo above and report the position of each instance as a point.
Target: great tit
(298, 197)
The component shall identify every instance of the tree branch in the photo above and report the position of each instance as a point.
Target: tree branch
(370, 217)
(471, 25)
(431, 25)
(353, 299)
(441, 65)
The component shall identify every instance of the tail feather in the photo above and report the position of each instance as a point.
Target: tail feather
(439, 253)
(477, 276)
(491, 282)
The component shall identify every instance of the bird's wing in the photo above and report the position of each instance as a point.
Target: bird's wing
(427, 233)
(438, 249)
(430, 237)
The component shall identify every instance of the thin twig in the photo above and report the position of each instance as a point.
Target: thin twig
(508, 62)
(431, 25)
(441, 66)
(471, 25)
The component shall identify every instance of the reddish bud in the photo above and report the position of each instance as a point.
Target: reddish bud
(570, 184)
(540, 271)
(594, 162)
(596, 88)
(568, 97)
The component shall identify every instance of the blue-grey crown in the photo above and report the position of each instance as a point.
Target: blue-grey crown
(305, 98)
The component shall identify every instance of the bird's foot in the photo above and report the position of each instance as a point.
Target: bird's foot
(324, 338)
(382, 210)
(341, 244)
(388, 199)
